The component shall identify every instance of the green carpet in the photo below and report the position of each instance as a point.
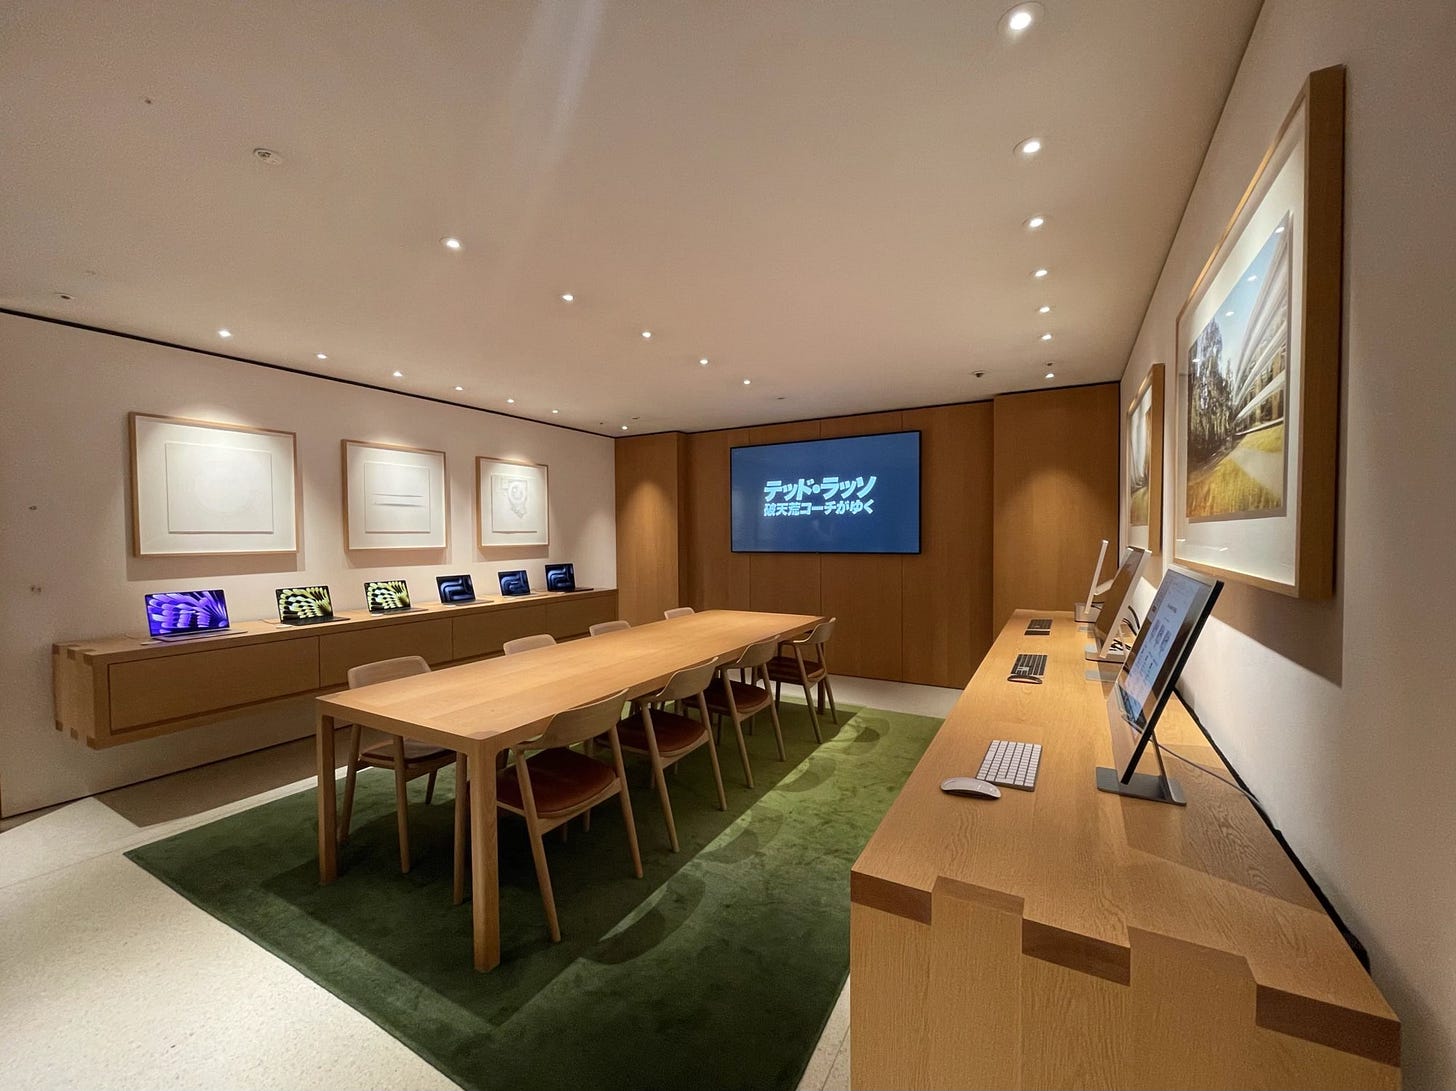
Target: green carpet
(718, 969)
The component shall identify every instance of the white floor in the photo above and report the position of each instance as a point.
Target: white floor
(108, 979)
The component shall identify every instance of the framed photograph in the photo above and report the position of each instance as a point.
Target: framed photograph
(394, 497)
(1258, 359)
(201, 488)
(1142, 459)
(512, 504)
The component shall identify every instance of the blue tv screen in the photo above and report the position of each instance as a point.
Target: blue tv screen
(856, 494)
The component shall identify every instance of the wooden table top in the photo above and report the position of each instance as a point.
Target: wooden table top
(1092, 870)
(509, 698)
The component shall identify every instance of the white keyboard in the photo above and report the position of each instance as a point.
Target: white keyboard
(1012, 764)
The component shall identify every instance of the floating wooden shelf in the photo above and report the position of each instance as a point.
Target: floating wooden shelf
(120, 689)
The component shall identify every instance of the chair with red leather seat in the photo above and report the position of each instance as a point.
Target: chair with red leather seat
(812, 674)
(742, 701)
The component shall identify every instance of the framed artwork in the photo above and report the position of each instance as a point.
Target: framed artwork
(1142, 456)
(394, 497)
(200, 488)
(512, 504)
(1258, 359)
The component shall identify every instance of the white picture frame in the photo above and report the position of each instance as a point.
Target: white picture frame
(204, 488)
(395, 497)
(512, 505)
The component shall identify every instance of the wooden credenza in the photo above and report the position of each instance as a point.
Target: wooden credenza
(120, 689)
(1070, 938)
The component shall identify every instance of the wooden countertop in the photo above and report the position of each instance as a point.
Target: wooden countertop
(1092, 873)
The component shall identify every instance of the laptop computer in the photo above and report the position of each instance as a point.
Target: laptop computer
(562, 577)
(455, 590)
(183, 615)
(306, 605)
(387, 597)
(515, 582)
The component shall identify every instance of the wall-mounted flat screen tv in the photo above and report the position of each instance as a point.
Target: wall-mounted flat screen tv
(854, 494)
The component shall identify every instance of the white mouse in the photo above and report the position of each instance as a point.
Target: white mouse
(970, 786)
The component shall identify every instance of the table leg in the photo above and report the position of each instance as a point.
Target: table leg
(328, 844)
(484, 882)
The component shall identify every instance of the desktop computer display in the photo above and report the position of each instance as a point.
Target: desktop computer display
(1087, 611)
(1117, 606)
(1181, 606)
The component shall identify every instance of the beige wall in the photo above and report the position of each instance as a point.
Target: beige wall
(1340, 714)
(68, 564)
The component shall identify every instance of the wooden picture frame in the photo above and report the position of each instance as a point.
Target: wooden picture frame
(510, 492)
(395, 497)
(1258, 345)
(209, 489)
(1142, 459)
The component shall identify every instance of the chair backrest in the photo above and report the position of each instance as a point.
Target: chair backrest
(686, 683)
(818, 635)
(527, 643)
(609, 627)
(580, 723)
(677, 611)
(756, 655)
(386, 670)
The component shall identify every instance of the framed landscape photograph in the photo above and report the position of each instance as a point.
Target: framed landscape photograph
(201, 488)
(1142, 456)
(394, 497)
(1258, 367)
(512, 506)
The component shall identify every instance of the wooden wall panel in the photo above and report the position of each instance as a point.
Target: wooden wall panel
(715, 577)
(946, 627)
(784, 582)
(649, 486)
(863, 589)
(1055, 493)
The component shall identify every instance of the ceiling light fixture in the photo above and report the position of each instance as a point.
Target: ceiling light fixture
(703, 362)
(1039, 273)
(747, 382)
(1046, 337)
(567, 297)
(1029, 147)
(1035, 222)
(647, 335)
(458, 389)
(1051, 374)
(321, 355)
(1044, 309)
(452, 243)
(224, 334)
(624, 427)
(555, 411)
(510, 401)
(1020, 18)
(399, 374)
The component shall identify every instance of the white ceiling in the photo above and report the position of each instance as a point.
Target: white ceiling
(821, 197)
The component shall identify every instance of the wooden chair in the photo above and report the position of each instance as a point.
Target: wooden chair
(408, 759)
(677, 611)
(556, 783)
(741, 701)
(812, 674)
(668, 737)
(528, 643)
(608, 627)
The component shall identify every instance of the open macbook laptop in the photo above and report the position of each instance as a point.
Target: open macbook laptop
(306, 605)
(387, 597)
(183, 615)
(562, 577)
(515, 582)
(455, 590)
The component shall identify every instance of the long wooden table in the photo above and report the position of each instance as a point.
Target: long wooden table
(1070, 938)
(479, 709)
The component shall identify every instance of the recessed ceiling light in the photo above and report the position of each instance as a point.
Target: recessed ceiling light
(452, 243)
(1039, 273)
(647, 335)
(567, 297)
(1035, 222)
(747, 382)
(224, 333)
(1020, 18)
(1046, 337)
(458, 389)
(555, 411)
(1044, 309)
(321, 355)
(399, 374)
(510, 401)
(703, 362)
(624, 427)
(1051, 375)
(1029, 147)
